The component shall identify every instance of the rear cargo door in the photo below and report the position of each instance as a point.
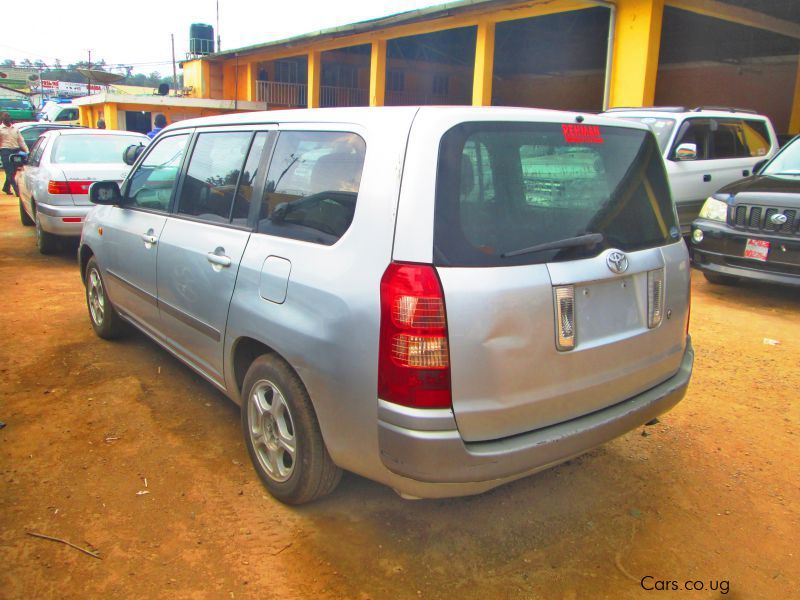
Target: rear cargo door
(559, 254)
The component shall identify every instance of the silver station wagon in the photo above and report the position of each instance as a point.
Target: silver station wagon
(441, 299)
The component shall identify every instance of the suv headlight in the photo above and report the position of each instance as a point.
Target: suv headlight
(715, 210)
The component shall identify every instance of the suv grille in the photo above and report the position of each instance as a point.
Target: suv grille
(759, 218)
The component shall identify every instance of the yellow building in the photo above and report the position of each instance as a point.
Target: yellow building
(565, 54)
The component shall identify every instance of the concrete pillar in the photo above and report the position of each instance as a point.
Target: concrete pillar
(314, 77)
(794, 116)
(634, 67)
(484, 65)
(377, 74)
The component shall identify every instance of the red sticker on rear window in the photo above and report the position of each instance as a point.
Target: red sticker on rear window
(582, 134)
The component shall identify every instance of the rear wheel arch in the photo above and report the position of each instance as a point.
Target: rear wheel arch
(85, 253)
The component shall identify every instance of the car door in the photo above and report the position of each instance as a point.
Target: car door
(727, 150)
(26, 178)
(132, 232)
(202, 244)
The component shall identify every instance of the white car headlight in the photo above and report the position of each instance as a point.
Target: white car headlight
(715, 210)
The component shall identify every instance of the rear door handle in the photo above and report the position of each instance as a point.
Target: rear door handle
(219, 259)
(706, 178)
(149, 239)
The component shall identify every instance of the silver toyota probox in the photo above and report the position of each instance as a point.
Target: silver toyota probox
(442, 299)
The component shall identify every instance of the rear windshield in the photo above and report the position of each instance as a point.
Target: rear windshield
(92, 148)
(503, 187)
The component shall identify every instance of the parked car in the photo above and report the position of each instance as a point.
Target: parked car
(31, 130)
(704, 149)
(442, 299)
(55, 178)
(751, 229)
(56, 112)
(19, 109)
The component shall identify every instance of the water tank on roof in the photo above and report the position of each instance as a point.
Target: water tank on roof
(201, 39)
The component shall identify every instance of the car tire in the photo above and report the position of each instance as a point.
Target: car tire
(718, 279)
(282, 434)
(104, 318)
(23, 216)
(47, 243)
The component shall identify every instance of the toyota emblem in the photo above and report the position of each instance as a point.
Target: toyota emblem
(778, 219)
(617, 261)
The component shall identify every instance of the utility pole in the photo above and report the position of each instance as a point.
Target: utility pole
(174, 68)
(219, 43)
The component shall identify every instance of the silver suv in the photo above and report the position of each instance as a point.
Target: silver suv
(442, 299)
(704, 149)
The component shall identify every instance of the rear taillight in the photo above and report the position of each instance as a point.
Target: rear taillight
(564, 297)
(68, 187)
(413, 358)
(655, 297)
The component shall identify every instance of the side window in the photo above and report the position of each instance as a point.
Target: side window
(244, 193)
(152, 183)
(756, 137)
(212, 175)
(36, 152)
(312, 186)
(694, 131)
(728, 139)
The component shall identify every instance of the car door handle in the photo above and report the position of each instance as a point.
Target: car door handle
(219, 259)
(706, 178)
(745, 173)
(149, 239)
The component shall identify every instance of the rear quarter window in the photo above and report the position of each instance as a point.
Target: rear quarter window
(503, 187)
(312, 186)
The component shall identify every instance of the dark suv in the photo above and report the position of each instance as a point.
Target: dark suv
(750, 229)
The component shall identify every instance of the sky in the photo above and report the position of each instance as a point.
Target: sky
(138, 33)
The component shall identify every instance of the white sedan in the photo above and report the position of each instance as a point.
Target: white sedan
(54, 183)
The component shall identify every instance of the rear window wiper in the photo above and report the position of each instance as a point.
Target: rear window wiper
(590, 239)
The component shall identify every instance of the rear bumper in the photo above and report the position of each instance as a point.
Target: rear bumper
(437, 454)
(59, 220)
(722, 252)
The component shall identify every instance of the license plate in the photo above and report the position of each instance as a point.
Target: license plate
(757, 249)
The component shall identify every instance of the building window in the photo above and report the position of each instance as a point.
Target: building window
(395, 80)
(440, 85)
(345, 76)
(287, 71)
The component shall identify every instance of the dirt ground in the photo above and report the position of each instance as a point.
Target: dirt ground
(708, 495)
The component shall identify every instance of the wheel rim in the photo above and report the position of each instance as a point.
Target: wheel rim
(96, 297)
(271, 430)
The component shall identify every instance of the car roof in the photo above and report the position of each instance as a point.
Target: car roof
(375, 115)
(60, 131)
(672, 112)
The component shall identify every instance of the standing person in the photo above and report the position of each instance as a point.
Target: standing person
(101, 123)
(160, 122)
(11, 142)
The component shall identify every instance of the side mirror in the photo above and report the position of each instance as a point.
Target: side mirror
(20, 159)
(759, 165)
(105, 192)
(686, 152)
(131, 153)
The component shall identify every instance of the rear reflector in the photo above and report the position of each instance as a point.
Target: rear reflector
(68, 187)
(564, 297)
(71, 219)
(655, 297)
(413, 358)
